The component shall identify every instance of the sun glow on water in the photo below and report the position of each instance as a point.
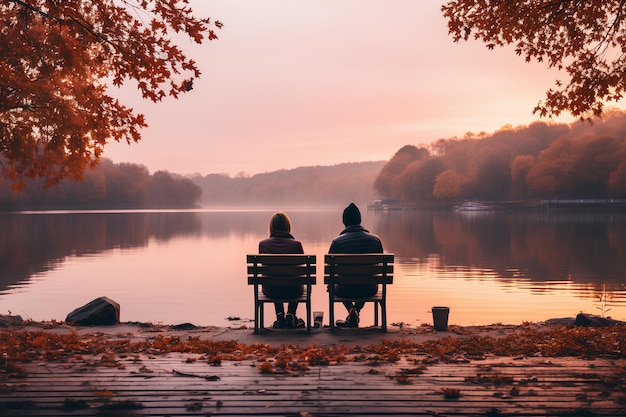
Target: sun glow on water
(194, 271)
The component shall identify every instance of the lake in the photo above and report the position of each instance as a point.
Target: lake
(175, 267)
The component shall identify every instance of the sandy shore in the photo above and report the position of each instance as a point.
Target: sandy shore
(244, 333)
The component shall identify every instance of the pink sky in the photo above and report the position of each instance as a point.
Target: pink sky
(297, 83)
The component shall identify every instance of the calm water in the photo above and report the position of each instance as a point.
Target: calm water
(189, 266)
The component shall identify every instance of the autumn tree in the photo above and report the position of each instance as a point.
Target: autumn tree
(586, 39)
(489, 177)
(447, 185)
(617, 180)
(543, 160)
(520, 167)
(384, 183)
(167, 191)
(106, 186)
(59, 61)
(125, 183)
(418, 179)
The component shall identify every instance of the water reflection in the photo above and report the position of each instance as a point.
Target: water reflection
(537, 253)
(35, 243)
(535, 246)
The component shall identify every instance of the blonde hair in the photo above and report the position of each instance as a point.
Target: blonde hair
(280, 221)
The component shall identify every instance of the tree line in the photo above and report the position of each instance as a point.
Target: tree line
(311, 186)
(542, 160)
(107, 186)
(131, 186)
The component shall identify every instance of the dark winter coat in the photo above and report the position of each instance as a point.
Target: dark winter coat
(281, 242)
(356, 239)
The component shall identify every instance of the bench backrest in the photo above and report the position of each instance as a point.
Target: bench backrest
(364, 268)
(281, 269)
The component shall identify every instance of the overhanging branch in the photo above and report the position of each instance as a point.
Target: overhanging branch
(79, 21)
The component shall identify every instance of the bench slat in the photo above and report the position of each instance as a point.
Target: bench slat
(343, 269)
(358, 279)
(265, 299)
(377, 297)
(282, 280)
(281, 270)
(361, 258)
(281, 259)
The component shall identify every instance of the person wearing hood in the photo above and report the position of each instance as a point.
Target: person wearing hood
(281, 241)
(354, 239)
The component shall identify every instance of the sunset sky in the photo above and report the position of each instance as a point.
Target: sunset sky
(297, 83)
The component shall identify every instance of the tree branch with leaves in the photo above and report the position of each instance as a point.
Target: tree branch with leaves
(585, 38)
(59, 59)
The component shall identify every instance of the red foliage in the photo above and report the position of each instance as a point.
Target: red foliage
(58, 58)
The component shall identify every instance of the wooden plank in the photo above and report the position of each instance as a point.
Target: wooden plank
(358, 269)
(357, 279)
(269, 270)
(183, 384)
(377, 297)
(265, 299)
(287, 279)
(361, 258)
(281, 259)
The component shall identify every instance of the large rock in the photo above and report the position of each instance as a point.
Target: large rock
(99, 312)
(8, 321)
(590, 320)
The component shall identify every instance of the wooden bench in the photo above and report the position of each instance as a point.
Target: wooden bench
(371, 268)
(280, 270)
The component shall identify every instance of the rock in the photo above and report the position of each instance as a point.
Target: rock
(99, 312)
(6, 321)
(564, 321)
(184, 326)
(590, 320)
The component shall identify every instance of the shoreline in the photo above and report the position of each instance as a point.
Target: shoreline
(140, 332)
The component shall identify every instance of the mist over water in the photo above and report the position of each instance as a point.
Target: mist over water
(189, 266)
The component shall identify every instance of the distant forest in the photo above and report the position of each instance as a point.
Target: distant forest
(131, 186)
(107, 186)
(313, 186)
(539, 161)
(542, 160)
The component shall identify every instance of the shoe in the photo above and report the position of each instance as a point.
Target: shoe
(341, 323)
(280, 321)
(353, 318)
(290, 321)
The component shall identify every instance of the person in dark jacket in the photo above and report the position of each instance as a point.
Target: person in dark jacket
(281, 241)
(355, 239)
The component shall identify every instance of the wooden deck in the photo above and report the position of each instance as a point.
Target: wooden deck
(179, 384)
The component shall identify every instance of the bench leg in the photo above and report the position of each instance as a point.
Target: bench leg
(376, 306)
(331, 313)
(261, 316)
(383, 313)
(256, 317)
(308, 314)
(256, 309)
